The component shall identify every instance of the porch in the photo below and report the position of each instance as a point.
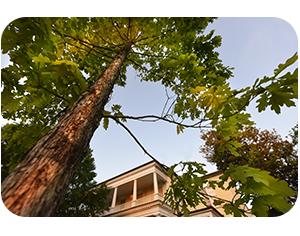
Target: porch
(148, 189)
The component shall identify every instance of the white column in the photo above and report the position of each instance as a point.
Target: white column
(155, 183)
(113, 204)
(134, 197)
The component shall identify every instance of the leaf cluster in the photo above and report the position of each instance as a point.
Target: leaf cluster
(253, 186)
(257, 188)
(186, 190)
(279, 90)
(225, 108)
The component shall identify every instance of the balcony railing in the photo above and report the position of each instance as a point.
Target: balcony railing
(138, 202)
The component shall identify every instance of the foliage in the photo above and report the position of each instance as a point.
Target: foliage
(294, 135)
(184, 190)
(257, 188)
(54, 60)
(253, 186)
(19, 138)
(82, 197)
(225, 107)
(5, 158)
(258, 149)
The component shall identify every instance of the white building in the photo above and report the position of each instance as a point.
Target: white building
(140, 192)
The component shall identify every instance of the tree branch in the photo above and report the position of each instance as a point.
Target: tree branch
(116, 28)
(111, 44)
(155, 118)
(91, 49)
(199, 192)
(149, 71)
(164, 166)
(85, 42)
(47, 90)
(151, 55)
(136, 140)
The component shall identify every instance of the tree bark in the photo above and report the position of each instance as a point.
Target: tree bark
(39, 182)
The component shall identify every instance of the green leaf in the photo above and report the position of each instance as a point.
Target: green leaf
(288, 63)
(197, 89)
(41, 58)
(263, 189)
(262, 103)
(260, 207)
(232, 146)
(171, 170)
(232, 149)
(116, 108)
(180, 129)
(64, 63)
(105, 123)
(218, 202)
(236, 144)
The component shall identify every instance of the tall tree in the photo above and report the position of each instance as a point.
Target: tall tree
(50, 56)
(82, 198)
(64, 70)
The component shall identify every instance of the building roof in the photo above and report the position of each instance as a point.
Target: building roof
(126, 172)
(215, 173)
(207, 208)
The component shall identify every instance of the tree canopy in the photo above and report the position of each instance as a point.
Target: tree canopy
(56, 59)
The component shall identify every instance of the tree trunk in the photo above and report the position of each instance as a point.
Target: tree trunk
(39, 182)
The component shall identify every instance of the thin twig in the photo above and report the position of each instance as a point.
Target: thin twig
(116, 28)
(152, 55)
(137, 141)
(101, 58)
(198, 192)
(85, 42)
(154, 119)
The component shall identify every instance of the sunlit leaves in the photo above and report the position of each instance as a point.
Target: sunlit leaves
(232, 147)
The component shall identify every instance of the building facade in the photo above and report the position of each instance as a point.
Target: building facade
(140, 193)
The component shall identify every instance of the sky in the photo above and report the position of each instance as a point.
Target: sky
(254, 46)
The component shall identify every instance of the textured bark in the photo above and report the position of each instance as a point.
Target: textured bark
(39, 182)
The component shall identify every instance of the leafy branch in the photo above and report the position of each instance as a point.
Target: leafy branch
(251, 185)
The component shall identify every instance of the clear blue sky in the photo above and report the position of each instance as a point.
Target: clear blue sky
(253, 46)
